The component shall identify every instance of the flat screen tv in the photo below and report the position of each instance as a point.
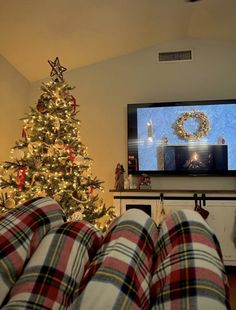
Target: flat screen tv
(182, 138)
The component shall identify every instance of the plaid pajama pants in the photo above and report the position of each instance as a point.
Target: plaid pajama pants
(119, 276)
(56, 268)
(139, 266)
(136, 265)
(21, 231)
(188, 271)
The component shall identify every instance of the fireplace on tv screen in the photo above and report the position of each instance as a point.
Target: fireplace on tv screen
(195, 157)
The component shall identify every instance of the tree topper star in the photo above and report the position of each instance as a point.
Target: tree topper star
(57, 69)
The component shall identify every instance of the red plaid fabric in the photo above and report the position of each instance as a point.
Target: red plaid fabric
(137, 265)
(189, 273)
(21, 230)
(56, 268)
(120, 274)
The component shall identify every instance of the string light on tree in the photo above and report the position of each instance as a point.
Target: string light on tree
(50, 160)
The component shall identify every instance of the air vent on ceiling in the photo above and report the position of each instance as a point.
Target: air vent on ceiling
(174, 56)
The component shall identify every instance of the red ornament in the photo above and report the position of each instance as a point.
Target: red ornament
(21, 177)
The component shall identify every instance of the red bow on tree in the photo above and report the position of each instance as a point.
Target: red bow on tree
(71, 152)
(73, 103)
(24, 133)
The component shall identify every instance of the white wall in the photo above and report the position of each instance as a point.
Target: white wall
(103, 91)
(14, 92)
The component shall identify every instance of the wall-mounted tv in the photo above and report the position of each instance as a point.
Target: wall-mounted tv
(182, 138)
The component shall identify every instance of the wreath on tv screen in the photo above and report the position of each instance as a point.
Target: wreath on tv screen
(202, 130)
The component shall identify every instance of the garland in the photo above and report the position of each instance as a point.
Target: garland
(200, 117)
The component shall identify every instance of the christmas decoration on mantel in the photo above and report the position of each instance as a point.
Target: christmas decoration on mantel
(50, 159)
(203, 125)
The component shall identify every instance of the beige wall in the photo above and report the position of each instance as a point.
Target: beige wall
(103, 91)
(14, 92)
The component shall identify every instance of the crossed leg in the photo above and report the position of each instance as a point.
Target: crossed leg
(120, 274)
(189, 272)
(21, 231)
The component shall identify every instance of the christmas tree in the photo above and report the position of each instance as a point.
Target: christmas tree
(50, 159)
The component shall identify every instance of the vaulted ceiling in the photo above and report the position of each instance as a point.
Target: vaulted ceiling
(83, 32)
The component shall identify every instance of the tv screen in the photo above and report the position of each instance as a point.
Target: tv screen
(182, 138)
